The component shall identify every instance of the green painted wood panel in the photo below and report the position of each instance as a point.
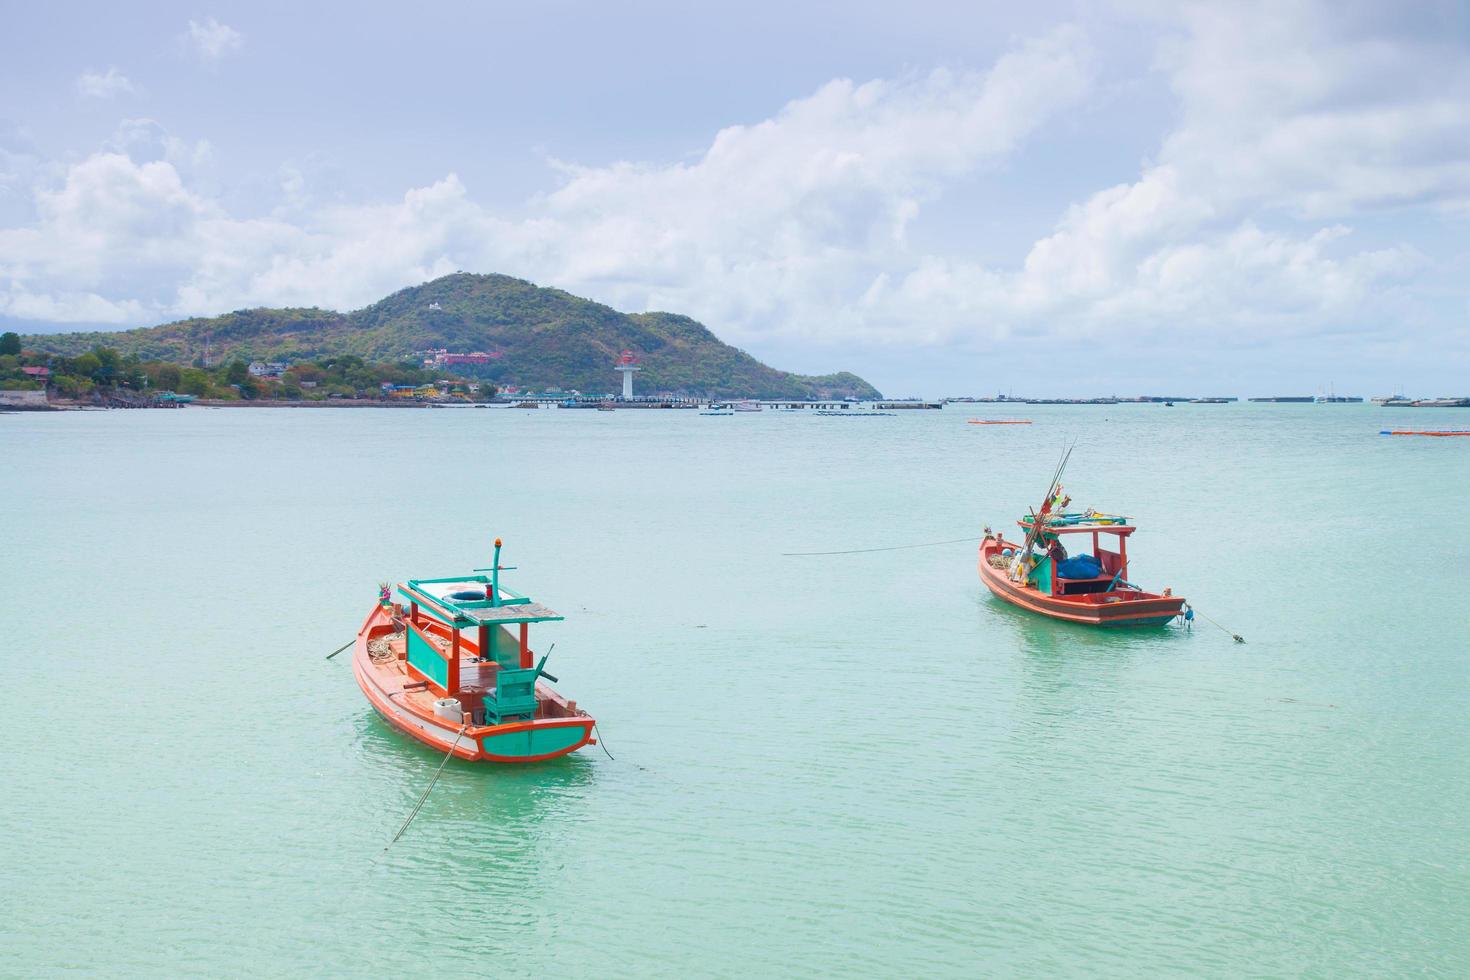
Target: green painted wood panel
(533, 741)
(1042, 576)
(425, 657)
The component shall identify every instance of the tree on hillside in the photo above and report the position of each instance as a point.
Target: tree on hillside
(193, 381)
(87, 365)
(110, 361)
(9, 342)
(237, 372)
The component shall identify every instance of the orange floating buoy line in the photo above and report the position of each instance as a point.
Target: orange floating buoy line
(1000, 421)
(1425, 432)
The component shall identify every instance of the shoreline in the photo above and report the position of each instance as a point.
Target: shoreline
(304, 403)
(63, 405)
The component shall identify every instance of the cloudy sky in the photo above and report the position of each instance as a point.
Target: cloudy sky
(1075, 198)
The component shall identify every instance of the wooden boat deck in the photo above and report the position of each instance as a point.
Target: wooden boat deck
(475, 679)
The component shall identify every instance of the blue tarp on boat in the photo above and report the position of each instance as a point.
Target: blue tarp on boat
(1080, 566)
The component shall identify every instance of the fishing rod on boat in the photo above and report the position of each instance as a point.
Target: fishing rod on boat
(1034, 531)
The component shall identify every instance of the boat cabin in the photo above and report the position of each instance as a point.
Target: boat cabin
(468, 638)
(1079, 574)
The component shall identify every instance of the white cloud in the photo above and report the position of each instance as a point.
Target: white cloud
(1314, 111)
(103, 85)
(1279, 129)
(810, 198)
(212, 40)
(798, 227)
(145, 140)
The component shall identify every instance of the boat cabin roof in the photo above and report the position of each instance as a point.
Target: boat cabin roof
(1079, 524)
(437, 597)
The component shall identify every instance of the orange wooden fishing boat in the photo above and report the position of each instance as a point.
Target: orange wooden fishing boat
(445, 668)
(1039, 576)
(1106, 598)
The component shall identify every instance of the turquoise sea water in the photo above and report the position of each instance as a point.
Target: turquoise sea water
(858, 765)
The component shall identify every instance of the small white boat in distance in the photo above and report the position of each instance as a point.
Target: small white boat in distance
(748, 405)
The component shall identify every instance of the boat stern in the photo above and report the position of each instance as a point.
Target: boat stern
(535, 741)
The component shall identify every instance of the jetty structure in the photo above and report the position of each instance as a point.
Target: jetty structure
(1398, 401)
(626, 365)
(444, 667)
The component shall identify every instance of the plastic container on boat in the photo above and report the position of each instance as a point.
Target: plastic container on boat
(449, 709)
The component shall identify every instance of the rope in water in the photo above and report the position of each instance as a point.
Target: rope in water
(420, 805)
(1191, 612)
(863, 551)
(601, 742)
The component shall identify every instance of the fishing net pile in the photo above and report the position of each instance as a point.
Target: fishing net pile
(999, 561)
(380, 650)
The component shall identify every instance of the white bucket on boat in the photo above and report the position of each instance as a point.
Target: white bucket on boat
(449, 709)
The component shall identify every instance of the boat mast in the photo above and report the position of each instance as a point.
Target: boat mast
(1035, 530)
(495, 577)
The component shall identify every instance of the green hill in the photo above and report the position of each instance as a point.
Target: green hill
(545, 337)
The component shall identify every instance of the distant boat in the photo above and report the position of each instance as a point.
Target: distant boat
(1425, 432)
(448, 671)
(999, 421)
(748, 405)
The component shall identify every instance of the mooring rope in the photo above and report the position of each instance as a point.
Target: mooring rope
(420, 805)
(601, 742)
(863, 551)
(1190, 612)
(341, 648)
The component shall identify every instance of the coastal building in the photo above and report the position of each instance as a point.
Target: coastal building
(438, 357)
(42, 374)
(267, 369)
